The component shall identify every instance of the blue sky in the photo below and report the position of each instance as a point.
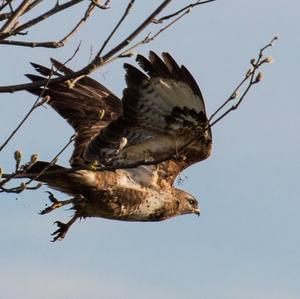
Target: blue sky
(246, 242)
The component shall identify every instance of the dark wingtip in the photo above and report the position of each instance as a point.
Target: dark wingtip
(61, 67)
(33, 78)
(152, 54)
(145, 64)
(41, 69)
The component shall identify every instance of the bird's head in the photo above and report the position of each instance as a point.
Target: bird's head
(185, 203)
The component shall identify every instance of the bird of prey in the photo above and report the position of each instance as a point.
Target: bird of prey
(143, 141)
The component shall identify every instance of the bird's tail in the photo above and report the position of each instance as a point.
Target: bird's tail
(57, 177)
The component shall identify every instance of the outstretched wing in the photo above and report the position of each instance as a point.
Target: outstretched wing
(163, 110)
(87, 106)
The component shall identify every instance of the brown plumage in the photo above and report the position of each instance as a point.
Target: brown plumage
(161, 111)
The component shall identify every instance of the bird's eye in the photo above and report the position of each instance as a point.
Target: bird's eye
(192, 201)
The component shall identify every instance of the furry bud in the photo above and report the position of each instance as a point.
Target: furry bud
(269, 59)
(259, 77)
(18, 155)
(34, 158)
(235, 95)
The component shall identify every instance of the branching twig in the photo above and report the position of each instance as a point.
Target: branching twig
(251, 77)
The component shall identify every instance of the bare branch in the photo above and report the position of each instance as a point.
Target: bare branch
(11, 22)
(53, 44)
(57, 8)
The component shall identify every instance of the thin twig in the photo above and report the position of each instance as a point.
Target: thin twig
(53, 44)
(250, 77)
(36, 103)
(57, 8)
(7, 2)
(11, 22)
(105, 6)
(33, 107)
(7, 15)
(81, 22)
(127, 40)
(26, 186)
(190, 6)
(126, 13)
(54, 160)
(147, 39)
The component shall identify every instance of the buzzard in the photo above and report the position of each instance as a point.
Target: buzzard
(143, 142)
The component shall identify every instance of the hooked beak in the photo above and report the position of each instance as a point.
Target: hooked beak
(197, 212)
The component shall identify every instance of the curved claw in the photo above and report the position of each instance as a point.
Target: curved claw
(51, 197)
(63, 228)
(61, 232)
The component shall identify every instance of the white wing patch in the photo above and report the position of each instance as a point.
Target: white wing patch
(162, 95)
(137, 178)
(176, 93)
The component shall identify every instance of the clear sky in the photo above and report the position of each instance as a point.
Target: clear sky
(246, 242)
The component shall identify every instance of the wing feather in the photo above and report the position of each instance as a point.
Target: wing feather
(88, 106)
(163, 109)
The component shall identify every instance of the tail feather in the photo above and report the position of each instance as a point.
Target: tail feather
(57, 177)
(42, 166)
